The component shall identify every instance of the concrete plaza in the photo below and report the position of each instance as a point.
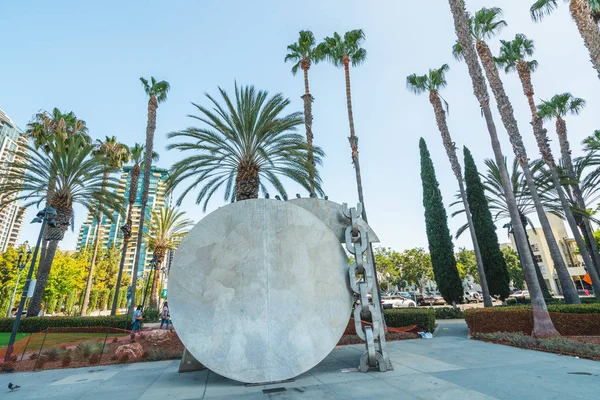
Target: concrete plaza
(449, 366)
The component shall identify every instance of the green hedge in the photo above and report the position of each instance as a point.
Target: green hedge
(38, 324)
(449, 313)
(521, 301)
(400, 317)
(568, 319)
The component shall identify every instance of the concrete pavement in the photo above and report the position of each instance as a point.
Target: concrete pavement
(445, 367)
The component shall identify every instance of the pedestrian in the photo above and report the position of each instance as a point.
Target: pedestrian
(137, 321)
(165, 317)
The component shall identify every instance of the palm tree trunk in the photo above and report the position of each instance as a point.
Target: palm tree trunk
(588, 28)
(440, 117)
(126, 236)
(154, 291)
(506, 113)
(567, 285)
(247, 182)
(88, 285)
(51, 186)
(54, 235)
(308, 99)
(150, 128)
(542, 324)
(353, 139)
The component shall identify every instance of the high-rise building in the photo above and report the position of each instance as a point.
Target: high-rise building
(12, 140)
(158, 197)
(568, 250)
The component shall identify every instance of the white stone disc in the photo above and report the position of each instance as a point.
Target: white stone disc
(258, 291)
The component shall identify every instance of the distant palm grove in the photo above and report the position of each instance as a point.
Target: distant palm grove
(243, 143)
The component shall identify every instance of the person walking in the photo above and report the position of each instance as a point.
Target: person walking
(165, 317)
(137, 321)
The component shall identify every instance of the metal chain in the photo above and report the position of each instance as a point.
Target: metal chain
(361, 275)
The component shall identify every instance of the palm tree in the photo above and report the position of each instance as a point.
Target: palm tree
(304, 53)
(137, 154)
(78, 179)
(114, 155)
(342, 52)
(498, 205)
(167, 229)
(542, 325)
(558, 107)
(157, 93)
(512, 57)
(585, 13)
(432, 83)
(44, 128)
(242, 145)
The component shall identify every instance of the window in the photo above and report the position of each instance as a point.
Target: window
(535, 247)
(537, 258)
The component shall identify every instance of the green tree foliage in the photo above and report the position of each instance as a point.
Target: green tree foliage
(68, 273)
(466, 263)
(389, 264)
(106, 268)
(416, 267)
(441, 247)
(515, 271)
(8, 279)
(495, 267)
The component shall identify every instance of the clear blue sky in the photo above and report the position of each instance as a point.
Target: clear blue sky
(87, 56)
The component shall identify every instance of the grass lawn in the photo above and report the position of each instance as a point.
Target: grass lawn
(5, 336)
(54, 339)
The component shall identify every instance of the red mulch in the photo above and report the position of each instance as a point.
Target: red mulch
(172, 349)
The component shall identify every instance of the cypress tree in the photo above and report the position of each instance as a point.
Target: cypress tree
(496, 271)
(441, 247)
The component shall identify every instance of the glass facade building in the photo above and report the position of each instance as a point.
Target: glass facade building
(158, 197)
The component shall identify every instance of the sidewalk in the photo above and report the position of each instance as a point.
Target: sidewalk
(445, 367)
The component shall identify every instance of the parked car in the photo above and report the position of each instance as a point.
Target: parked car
(432, 299)
(397, 302)
(407, 295)
(472, 296)
(520, 294)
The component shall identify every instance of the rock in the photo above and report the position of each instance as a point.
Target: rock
(158, 336)
(133, 350)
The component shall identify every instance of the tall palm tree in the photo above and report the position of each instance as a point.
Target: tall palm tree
(485, 24)
(157, 93)
(558, 107)
(167, 228)
(342, 52)
(114, 155)
(432, 83)
(585, 13)
(542, 325)
(78, 179)
(137, 155)
(512, 57)
(498, 205)
(45, 127)
(304, 53)
(243, 144)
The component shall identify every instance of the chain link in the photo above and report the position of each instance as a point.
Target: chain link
(361, 274)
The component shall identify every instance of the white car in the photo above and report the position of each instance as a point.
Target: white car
(397, 302)
(472, 295)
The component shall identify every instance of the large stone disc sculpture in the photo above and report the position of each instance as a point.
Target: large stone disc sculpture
(258, 291)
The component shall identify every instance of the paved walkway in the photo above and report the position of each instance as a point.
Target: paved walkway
(445, 367)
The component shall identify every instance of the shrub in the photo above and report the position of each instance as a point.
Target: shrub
(114, 357)
(151, 315)
(33, 356)
(53, 353)
(449, 313)
(398, 317)
(66, 360)
(40, 362)
(85, 350)
(115, 340)
(155, 354)
(95, 358)
(38, 324)
(124, 358)
(569, 320)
